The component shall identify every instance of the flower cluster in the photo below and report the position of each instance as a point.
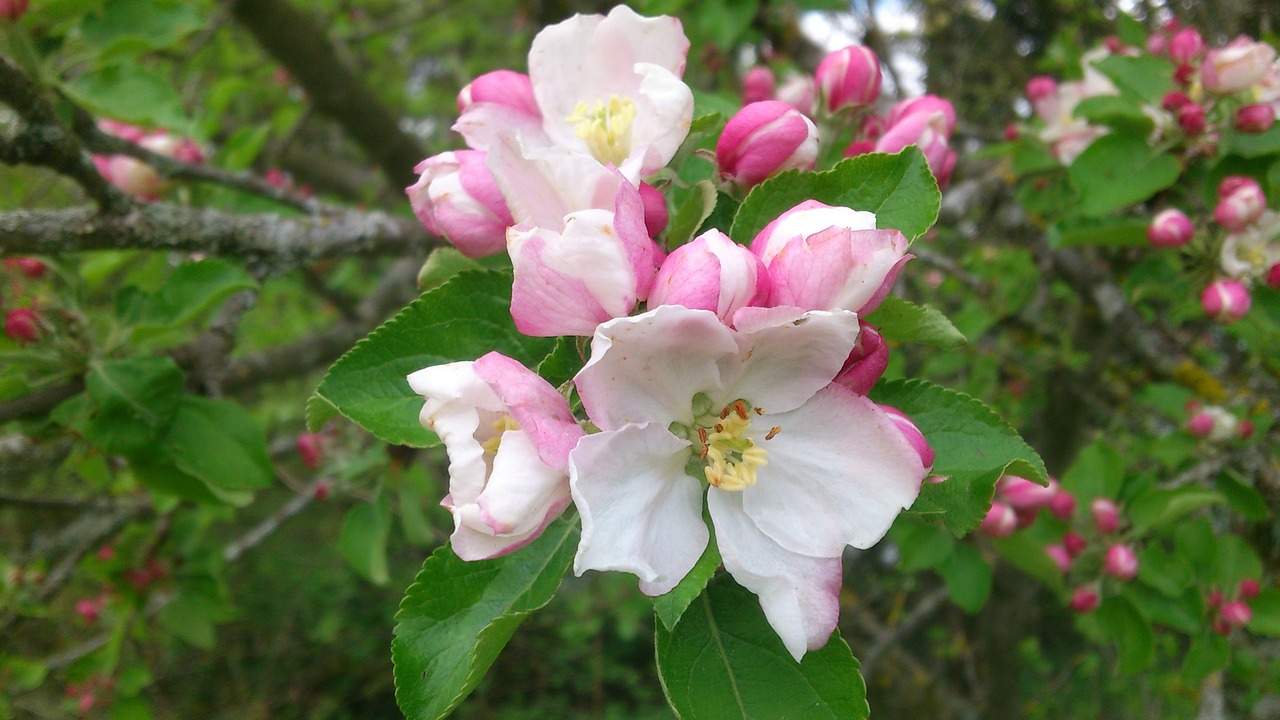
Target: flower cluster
(135, 176)
(23, 322)
(721, 376)
(774, 131)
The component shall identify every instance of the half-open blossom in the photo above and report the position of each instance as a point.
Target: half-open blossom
(1121, 562)
(1170, 228)
(1241, 206)
(849, 77)
(792, 467)
(1226, 300)
(764, 139)
(580, 249)
(822, 258)
(457, 198)
(927, 126)
(711, 273)
(610, 87)
(508, 434)
(1236, 67)
(498, 101)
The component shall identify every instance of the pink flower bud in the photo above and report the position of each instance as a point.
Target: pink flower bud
(1184, 74)
(22, 324)
(1273, 276)
(88, 609)
(1060, 557)
(1241, 207)
(1011, 131)
(106, 553)
(1106, 515)
(1191, 119)
(927, 104)
(1157, 45)
(1235, 613)
(1246, 429)
(1074, 543)
(457, 198)
(872, 128)
(1231, 183)
(322, 491)
(1200, 424)
(1226, 300)
(1084, 601)
(797, 91)
(1121, 562)
(655, 209)
(1236, 67)
(1040, 87)
(1170, 228)
(501, 87)
(28, 266)
(1255, 118)
(1113, 44)
(1000, 521)
(13, 9)
(1023, 494)
(1063, 505)
(1249, 588)
(928, 128)
(1214, 599)
(1186, 46)
(1174, 100)
(757, 85)
(497, 102)
(764, 139)
(711, 273)
(311, 449)
(912, 433)
(859, 147)
(866, 363)
(849, 77)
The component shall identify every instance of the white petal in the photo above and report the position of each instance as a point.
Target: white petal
(838, 474)
(664, 111)
(648, 367)
(786, 357)
(460, 408)
(521, 489)
(543, 185)
(800, 595)
(640, 512)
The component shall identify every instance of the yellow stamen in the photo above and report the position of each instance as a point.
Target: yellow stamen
(605, 125)
(500, 426)
(732, 458)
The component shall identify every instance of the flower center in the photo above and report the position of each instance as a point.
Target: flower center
(730, 459)
(605, 126)
(500, 426)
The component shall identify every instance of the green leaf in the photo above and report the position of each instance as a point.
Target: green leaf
(899, 189)
(457, 616)
(161, 476)
(968, 577)
(1266, 613)
(1242, 497)
(1097, 472)
(1121, 623)
(699, 203)
(135, 401)
(921, 545)
(723, 660)
(1115, 111)
(1183, 611)
(974, 447)
(1116, 171)
(143, 23)
(441, 265)
(1027, 554)
(671, 606)
(1148, 77)
(319, 411)
(191, 289)
(1209, 651)
(1251, 145)
(460, 320)
(1107, 232)
(562, 363)
(1158, 506)
(904, 321)
(196, 609)
(219, 443)
(131, 93)
(364, 539)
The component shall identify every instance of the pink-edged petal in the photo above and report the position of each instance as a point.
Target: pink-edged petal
(782, 364)
(458, 405)
(800, 594)
(664, 113)
(807, 218)
(537, 407)
(640, 512)
(544, 185)
(471, 544)
(648, 367)
(838, 474)
(521, 491)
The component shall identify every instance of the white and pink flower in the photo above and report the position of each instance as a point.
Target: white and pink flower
(457, 198)
(711, 273)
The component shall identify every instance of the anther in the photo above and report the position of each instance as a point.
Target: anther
(740, 408)
(773, 432)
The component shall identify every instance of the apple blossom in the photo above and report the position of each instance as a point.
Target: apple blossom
(1240, 207)
(822, 258)
(1236, 67)
(1170, 228)
(1249, 254)
(1106, 515)
(1121, 562)
(757, 85)
(1214, 423)
(999, 521)
(508, 434)
(764, 139)
(849, 77)
(580, 249)
(457, 198)
(1236, 613)
(1255, 118)
(498, 101)
(793, 468)
(1226, 300)
(927, 125)
(711, 273)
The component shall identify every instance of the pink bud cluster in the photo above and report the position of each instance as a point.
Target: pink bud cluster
(13, 9)
(135, 176)
(1226, 614)
(1018, 501)
(1216, 424)
(24, 323)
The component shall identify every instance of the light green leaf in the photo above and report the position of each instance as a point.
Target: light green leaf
(1266, 613)
(1116, 171)
(135, 401)
(1107, 232)
(671, 606)
(968, 577)
(904, 321)
(1251, 145)
(1146, 76)
(974, 447)
(1097, 472)
(129, 92)
(219, 443)
(191, 289)
(723, 660)
(460, 320)
(1209, 651)
(364, 539)
(1158, 506)
(899, 189)
(698, 204)
(457, 616)
(1121, 623)
(142, 23)
(1115, 111)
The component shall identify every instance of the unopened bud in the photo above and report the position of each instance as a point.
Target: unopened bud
(311, 449)
(1063, 505)
(1200, 424)
(1273, 276)
(30, 267)
(1184, 74)
(1060, 557)
(13, 9)
(1249, 588)
(1226, 300)
(999, 522)
(1185, 46)
(1191, 119)
(1255, 118)
(1174, 100)
(1106, 515)
(849, 77)
(22, 324)
(1236, 613)
(655, 209)
(1157, 45)
(1245, 429)
(757, 85)
(1170, 228)
(1040, 87)
(1121, 562)
(1074, 543)
(1084, 601)
(1241, 207)
(764, 139)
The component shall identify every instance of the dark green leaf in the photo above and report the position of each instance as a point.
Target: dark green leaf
(1251, 145)
(1160, 506)
(1120, 170)
(1266, 613)
(904, 321)
(364, 539)
(135, 401)
(457, 616)
(146, 23)
(671, 606)
(1121, 623)
(219, 443)
(1107, 231)
(968, 577)
(1209, 651)
(723, 660)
